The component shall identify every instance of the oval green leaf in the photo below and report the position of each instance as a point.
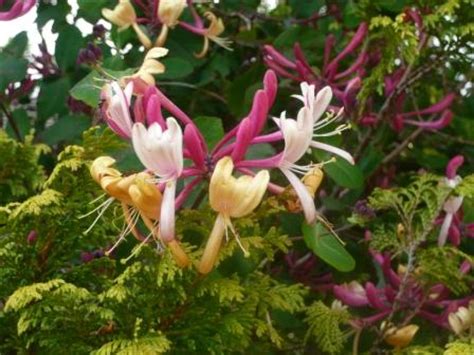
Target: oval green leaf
(326, 246)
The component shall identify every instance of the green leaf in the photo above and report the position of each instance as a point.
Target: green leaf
(90, 10)
(11, 70)
(325, 245)
(57, 13)
(68, 45)
(52, 98)
(20, 116)
(176, 68)
(211, 128)
(88, 89)
(16, 46)
(65, 129)
(345, 174)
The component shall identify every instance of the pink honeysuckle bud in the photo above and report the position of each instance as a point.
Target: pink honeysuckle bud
(350, 93)
(195, 146)
(243, 139)
(438, 124)
(440, 106)
(454, 235)
(352, 294)
(357, 40)
(453, 166)
(270, 85)
(278, 58)
(138, 111)
(300, 57)
(153, 112)
(19, 8)
(259, 112)
(356, 66)
(116, 108)
(32, 237)
(328, 46)
(398, 123)
(374, 296)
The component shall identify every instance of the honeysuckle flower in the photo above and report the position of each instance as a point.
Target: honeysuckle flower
(116, 108)
(123, 15)
(400, 337)
(462, 319)
(161, 152)
(352, 294)
(169, 12)
(299, 135)
(453, 203)
(18, 8)
(232, 198)
(212, 32)
(151, 66)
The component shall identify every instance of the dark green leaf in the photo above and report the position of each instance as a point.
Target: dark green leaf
(52, 98)
(325, 245)
(211, 128)
(67, 47)
(65, 129)
(90, 10)
(22, 121)
(176, 68)
(17, 46)
(11, 70)
(345, 174)
(88, 89)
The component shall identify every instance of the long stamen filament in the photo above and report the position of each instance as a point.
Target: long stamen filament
(104, 208)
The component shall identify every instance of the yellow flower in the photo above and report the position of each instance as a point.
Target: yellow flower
(169, 11)
(150, 66)
(232, 198)
(216, 28)
(401, 337)
(123, 15)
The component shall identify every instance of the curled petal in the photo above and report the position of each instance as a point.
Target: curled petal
(167, 218)
(334, 150)
(304, 196)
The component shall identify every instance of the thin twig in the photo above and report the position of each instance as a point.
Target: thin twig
(11, 122)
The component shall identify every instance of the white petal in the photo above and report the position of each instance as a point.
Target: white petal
(140, 144)
(167, 217)
(338, 151)
(443, 233)
(303, 194)
(321, 102)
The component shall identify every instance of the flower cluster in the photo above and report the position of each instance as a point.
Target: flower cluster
(433, 304)
(164, 15)
(346, 83)
(163, 145)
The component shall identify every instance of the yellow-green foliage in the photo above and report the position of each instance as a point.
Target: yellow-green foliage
(324, 326)
(20, 172)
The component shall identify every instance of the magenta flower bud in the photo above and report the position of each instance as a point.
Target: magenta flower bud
(299, 55)
(414, 15)
(138, 111)
(469, 230)
(259, 112)
(153, 112)
(351, 294)
(86, 256)
(328, 46)
(270, 85)
(369, 120)
(357, 40)
(454, 235)
(398, 123)
(350, 93)
(438, 124)
(277, 57)
(32, 237)
(243, 139)
(453, 166)
(194, 145)
(19, 8)
(373, 296)
(440, 106)
(465, 267)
